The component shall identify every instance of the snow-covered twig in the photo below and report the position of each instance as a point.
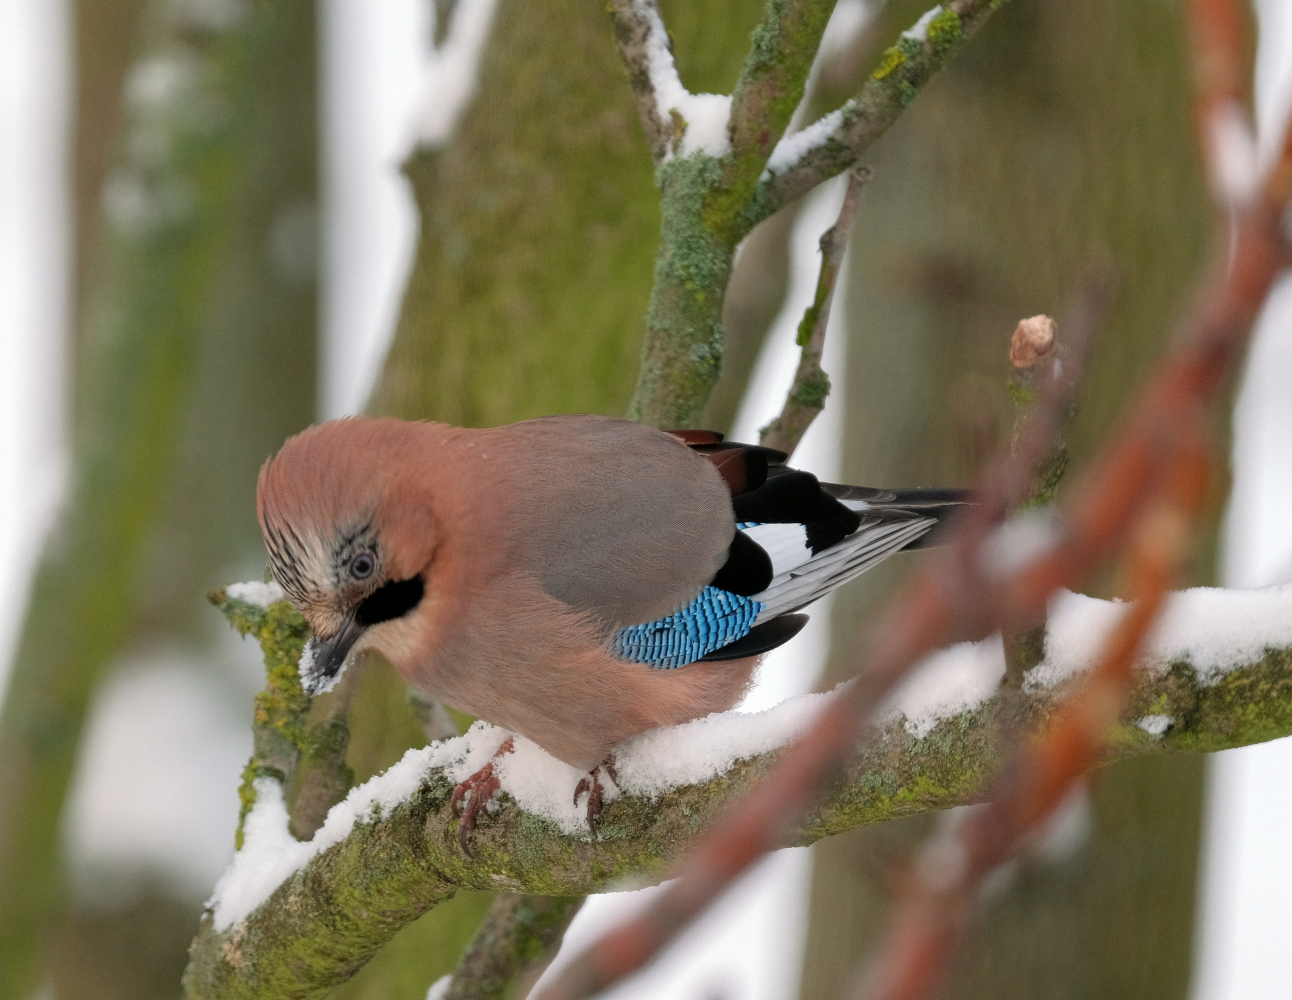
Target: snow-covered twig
(836, 141)
(676, 121)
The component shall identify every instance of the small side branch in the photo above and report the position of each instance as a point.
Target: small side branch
(278, 728)
(513, 945)
(811, 385)
(640, 35)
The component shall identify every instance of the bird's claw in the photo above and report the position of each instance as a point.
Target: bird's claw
(471, 795)
(591, 784)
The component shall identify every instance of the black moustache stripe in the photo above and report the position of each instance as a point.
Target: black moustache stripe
(393, 600)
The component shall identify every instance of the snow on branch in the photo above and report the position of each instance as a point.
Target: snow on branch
(293, 919)
(676, 121)
(836, 141)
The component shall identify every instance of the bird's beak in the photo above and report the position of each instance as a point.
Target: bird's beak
(323, 660)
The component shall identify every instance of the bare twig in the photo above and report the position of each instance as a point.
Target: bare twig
(1036, 358)
(811, 385)
(516, 940)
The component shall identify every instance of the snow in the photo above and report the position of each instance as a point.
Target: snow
(792, 148)
(648, 765)
(270, 854)
(947, 683)
(920, 29)
(707, 116)
(1216, 630)
(1155, 725)
(254, 592)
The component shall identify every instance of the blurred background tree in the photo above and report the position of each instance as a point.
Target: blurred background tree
(1059, 140)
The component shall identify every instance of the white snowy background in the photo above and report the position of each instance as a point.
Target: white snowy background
(384, 88)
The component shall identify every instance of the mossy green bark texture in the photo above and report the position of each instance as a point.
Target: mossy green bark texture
(324, 922)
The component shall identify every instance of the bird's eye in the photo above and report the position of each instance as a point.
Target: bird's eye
(362, 565)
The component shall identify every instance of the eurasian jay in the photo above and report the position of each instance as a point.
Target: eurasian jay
(574, 579)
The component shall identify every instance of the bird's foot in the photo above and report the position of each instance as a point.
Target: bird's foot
(595, 789)
(472, 794)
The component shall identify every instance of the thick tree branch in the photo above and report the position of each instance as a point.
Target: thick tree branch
(399, 859)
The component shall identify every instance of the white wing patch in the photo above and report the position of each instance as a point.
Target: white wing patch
(835, 566)
(786, 544)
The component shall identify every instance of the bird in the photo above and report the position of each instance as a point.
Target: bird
(573, 579)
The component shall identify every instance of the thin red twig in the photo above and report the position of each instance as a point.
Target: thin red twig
(938, 901)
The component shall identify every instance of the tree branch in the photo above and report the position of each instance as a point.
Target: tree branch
(835, 142)
(517, 939)
(640, 35)
(390, 852)
(811, 385)
(712, 195)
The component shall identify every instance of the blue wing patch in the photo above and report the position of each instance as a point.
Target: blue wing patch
(711, 621)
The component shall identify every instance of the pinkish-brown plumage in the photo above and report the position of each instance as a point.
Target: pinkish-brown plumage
(508, 571)
(534, 543)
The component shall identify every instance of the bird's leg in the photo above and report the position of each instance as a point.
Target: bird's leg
(592, 785)
(471, 795)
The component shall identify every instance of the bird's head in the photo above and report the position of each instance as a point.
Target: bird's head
(340, 545)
